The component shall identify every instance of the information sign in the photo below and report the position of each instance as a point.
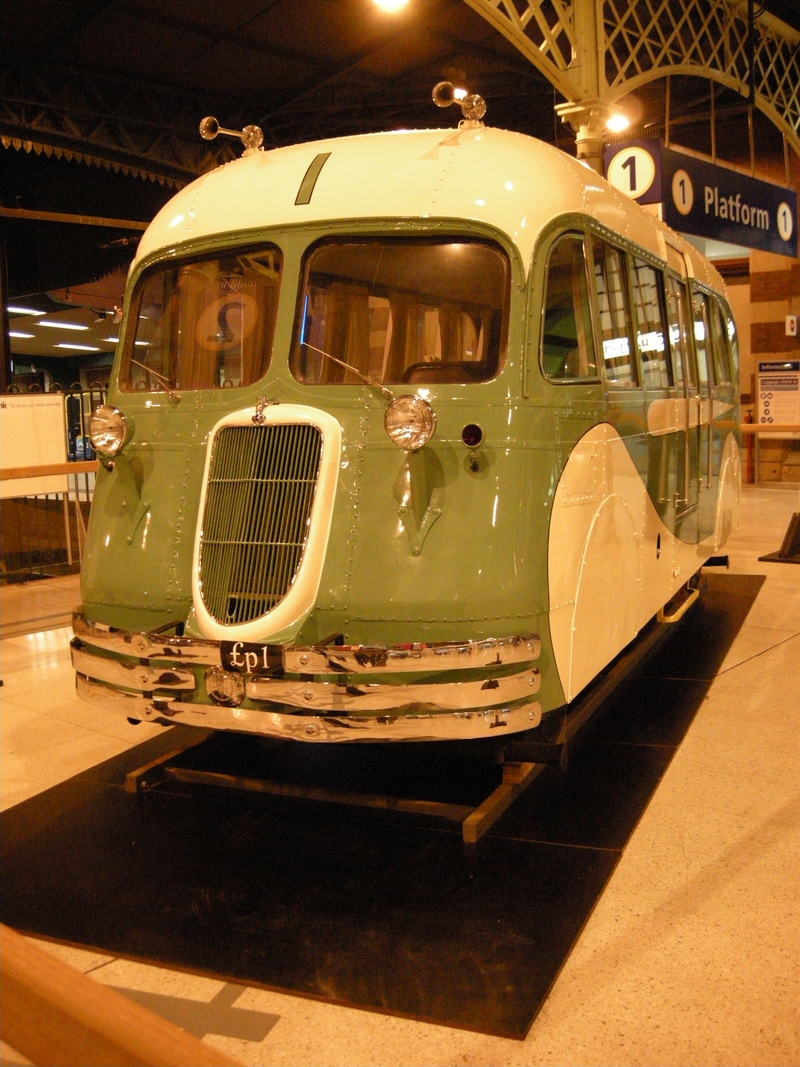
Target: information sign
(31, 435)
(778, 392)
(704, 198)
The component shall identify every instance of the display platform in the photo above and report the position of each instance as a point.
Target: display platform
(372, 909)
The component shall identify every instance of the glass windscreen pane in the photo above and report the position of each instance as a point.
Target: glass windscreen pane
(650, 336)
(612, 301)
(205, 324)
(402, 311)
(567, 344)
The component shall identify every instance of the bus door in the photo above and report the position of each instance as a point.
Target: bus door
(686, 453)
(701, 318)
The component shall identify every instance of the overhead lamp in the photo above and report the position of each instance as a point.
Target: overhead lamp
(63, 325)
(391, 5)
(617, 123)
(16, 333)
(78, 348)
(12, 310)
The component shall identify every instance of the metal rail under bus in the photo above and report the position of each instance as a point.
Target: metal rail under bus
(523, 761)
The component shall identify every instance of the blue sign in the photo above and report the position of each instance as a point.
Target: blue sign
(704, 198)
(779, 365)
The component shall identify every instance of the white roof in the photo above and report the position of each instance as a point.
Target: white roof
(507, 180)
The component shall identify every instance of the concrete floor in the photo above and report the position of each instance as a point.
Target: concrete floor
(692, 955)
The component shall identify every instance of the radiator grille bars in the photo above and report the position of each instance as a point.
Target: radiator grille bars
(261, 485)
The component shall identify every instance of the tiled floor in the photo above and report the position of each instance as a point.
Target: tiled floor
(692, 955)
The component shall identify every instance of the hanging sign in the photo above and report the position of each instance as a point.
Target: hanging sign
(705, 199)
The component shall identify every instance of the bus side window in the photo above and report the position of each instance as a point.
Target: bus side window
(719, 340)
(702, 338)
(614, 315)
(682, 368)
(567, 342)
(648, 288)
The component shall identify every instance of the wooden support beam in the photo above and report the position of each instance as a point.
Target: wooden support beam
(57, 1017)
(516, 779)
(75, 220)
(763, 427)
(44, 470)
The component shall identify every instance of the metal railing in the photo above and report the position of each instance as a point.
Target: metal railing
(44, 534)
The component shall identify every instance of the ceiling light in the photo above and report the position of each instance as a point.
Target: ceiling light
(16, 333)
(79, 348)
(23, 311)
(391, 5)
(618, 123)
(112, 340)
(63, 325)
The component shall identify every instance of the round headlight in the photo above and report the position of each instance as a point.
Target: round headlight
(108, 430)
(409, 422)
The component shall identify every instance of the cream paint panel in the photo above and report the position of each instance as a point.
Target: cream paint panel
(606, 598)
(507, 180)
(668, 415)
(606, 576)
(729, 496)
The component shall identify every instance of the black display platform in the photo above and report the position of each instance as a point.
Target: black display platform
(371, 909)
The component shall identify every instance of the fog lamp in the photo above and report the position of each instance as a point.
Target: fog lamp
(109, 429)
(409, 421)
(224, 687)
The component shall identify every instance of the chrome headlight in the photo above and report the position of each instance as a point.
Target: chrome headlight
(409, 422)
(109, 429)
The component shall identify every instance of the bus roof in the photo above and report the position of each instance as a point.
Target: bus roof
(506, 180)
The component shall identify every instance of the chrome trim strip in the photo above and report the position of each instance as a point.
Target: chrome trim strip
(133, 675)
(436, 697)
(146, 646)
(318, 659)
(492, 652)
(410, 727)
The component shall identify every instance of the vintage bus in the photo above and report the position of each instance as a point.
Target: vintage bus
(408, 436)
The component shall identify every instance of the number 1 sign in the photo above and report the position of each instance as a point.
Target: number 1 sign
(703, 198)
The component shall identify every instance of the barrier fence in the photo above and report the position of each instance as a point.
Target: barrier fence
(44, 533)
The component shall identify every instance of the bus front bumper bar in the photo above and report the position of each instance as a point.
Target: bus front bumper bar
(316, 693)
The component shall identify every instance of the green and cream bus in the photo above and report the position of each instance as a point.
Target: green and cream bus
(408, 436)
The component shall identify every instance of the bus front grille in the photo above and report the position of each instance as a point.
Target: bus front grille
(261, 485)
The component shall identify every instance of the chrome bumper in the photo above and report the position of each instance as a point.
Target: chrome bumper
(315, 693)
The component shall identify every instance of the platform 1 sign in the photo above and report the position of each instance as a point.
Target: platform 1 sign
(705, 199)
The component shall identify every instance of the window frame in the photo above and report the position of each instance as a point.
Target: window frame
(353, 235)
(582, 235)
(623, 251)
(164, 264)
(662, 306)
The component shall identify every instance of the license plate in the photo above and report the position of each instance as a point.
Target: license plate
(247, 658)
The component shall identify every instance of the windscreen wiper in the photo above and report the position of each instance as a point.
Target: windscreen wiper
(159, 378)
(387, 393)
